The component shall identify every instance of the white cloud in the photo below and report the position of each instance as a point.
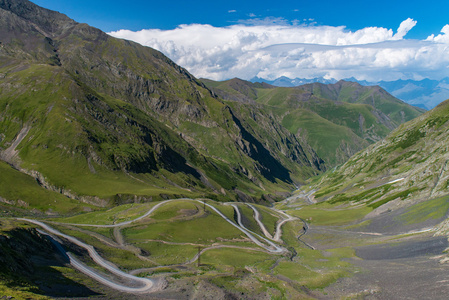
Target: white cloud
(271, 48)
(441, 38)
(404, 28)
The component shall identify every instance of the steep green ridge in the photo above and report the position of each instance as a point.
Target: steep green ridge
(337, 120)
(97, 118)
(408, 167)
(352, 92)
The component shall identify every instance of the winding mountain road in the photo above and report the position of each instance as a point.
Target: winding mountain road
(259, 222)
(251, 235)
(272, 248)
(288, 218)
(147, 285)
(134, 220)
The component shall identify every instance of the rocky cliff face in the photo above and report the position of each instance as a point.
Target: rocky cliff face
(92, 104)
(17, 246)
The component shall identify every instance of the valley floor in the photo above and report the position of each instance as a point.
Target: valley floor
(388, 266)
(402, 268)
(248, 252)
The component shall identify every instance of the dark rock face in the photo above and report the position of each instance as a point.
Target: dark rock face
(49, 23)
(269, 167)
(28, 258)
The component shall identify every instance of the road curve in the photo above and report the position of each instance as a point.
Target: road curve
(131, 221)
(278, 234)
(147, 285)
(259, 222)
(273, 248)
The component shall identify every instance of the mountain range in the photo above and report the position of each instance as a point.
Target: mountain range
(80, 109)
(425, 93)
(337, 119)
(122, 176)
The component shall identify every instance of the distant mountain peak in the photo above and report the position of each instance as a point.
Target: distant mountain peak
(357, 114)
(425, 93)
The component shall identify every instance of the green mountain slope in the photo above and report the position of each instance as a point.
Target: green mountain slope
(337, 120)
(106, 122)
(405, 169)
(94, 117)
(397, 111)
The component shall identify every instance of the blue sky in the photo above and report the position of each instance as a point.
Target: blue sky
(138, 14)
(369, 46)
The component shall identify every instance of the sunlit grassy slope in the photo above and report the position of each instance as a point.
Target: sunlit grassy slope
(408, 168)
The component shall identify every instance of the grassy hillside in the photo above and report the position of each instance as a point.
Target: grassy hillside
(336, 120)
(31, 196)
(406, 168)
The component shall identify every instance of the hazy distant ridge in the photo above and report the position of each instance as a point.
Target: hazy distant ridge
(426, 93)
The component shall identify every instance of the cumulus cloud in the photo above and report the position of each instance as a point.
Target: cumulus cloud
(441, 38)
(404, 28)
(271, 48)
